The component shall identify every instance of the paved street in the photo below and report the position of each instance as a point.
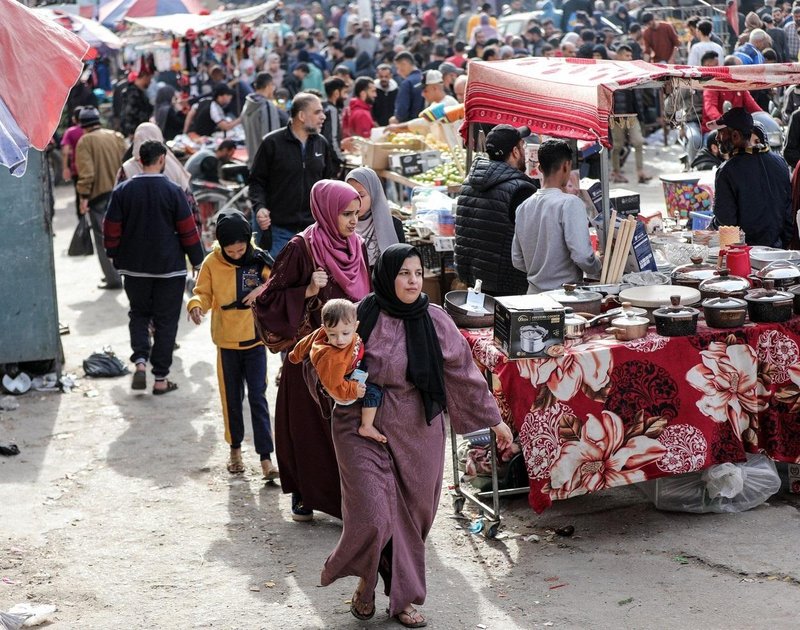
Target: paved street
(119, 511)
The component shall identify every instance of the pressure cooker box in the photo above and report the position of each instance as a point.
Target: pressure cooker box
(527, 326)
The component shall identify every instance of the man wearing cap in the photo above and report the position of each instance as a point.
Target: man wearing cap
(432, 89)
(752, 188)
(409, 101)
(551, 237)
(208, 115)
(136, 107)
(98, 157)
(449, 75)
(487, 205)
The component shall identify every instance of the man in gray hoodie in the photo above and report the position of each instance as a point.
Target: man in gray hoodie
(260, 115)
(551, 237)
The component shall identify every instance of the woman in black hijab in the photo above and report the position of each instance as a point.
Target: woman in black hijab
(390, 491)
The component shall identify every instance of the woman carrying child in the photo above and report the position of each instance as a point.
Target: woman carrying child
(325, 261)
(390, 490)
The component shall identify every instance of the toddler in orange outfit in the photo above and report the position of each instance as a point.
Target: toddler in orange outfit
(336, 352)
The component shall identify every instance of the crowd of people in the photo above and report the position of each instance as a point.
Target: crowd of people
(320, 272)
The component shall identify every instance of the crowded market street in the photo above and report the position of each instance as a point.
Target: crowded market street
(119, 512)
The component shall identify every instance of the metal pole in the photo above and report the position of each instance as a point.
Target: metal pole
(470, 144)
(605, 177)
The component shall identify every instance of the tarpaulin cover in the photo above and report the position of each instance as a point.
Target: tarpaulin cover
(114, 11)
(180, 24)
(572, 98)
(91, 31)
(39, 62)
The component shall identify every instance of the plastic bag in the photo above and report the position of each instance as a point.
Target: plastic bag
(725, 488)
(104, 365)
(81, 243)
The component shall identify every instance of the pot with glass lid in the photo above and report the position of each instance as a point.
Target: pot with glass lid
(693, 274)
(723, 284)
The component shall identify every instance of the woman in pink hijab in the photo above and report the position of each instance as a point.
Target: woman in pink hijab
(326, 261)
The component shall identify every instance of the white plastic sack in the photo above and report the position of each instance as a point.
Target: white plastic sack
(719, 489)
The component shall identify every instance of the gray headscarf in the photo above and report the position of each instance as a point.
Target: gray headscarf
(376, 227)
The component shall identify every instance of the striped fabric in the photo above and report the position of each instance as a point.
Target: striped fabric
(572, 98)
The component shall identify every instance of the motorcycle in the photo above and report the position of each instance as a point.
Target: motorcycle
(215, 197)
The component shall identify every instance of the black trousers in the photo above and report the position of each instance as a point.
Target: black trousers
(97, 210)
(235, 368)
(157, 300)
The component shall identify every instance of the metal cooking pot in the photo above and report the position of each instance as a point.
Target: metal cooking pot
(676, 320)
(783, 274)
(693, 274)
(532, 338)
(574, 324)
(629, 327)
(723, 284)
(725, 312)
(577, 299)
(768, 304)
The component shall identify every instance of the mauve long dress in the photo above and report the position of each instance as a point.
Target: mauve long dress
(390, 493)
(302, 436)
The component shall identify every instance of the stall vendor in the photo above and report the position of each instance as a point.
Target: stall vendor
(551, 238)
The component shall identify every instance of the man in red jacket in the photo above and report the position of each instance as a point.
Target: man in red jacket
(714, 101)
(357, 119)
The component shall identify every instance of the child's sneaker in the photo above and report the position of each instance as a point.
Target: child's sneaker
(299, 513)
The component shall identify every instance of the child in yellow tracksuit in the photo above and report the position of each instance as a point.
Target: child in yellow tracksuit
(230, 279)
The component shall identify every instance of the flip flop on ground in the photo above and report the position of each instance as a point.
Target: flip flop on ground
(410, 618)
(159, 391)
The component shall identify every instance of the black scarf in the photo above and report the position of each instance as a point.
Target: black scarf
(425, 361)
(234, 227)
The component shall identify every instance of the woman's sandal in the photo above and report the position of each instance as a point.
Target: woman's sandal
(413, 619)
(355, 602)
(171, 387)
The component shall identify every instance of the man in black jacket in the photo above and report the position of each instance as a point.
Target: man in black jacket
(752, 189)
(486, 214)
(288, 163)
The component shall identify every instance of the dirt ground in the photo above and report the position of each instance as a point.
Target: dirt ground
(119, 512)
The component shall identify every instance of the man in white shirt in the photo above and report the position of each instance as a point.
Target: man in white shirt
(551, 236)
(432, 85)
(704, 45)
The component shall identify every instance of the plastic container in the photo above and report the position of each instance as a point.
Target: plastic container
(447, 223)
(701, 220)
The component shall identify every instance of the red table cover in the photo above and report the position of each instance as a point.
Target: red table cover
(608, 413)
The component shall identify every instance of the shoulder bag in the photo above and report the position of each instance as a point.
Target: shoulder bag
(274, 342)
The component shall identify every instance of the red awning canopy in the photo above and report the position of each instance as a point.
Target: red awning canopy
(572, 98)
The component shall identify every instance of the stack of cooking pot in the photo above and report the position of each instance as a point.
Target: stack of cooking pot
(729, 299)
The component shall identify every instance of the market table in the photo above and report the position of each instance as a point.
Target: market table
(607, 413)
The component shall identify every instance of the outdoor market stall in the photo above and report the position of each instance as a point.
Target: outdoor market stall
(600, 409)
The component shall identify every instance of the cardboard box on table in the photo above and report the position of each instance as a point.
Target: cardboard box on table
(528, 326)
(375, 153)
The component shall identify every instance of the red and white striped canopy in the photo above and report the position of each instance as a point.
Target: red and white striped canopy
(572, 98)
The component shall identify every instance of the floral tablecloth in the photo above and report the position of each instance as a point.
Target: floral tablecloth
(609, 413)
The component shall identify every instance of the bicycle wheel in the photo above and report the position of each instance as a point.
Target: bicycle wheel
(209, 203)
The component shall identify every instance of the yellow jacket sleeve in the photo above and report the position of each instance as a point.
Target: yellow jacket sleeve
(203, 291)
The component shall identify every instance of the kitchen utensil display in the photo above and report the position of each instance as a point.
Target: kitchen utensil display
(532, 338)
(676, 320)
(723, 284)
(577, 299)
(693, 274)
(736, 258)
(629, 327)
(768, 304)
(760, 257)
(783, 273)
(453, 304)
(725, 312)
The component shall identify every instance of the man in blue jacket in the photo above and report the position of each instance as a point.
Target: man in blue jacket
(410, 101)
(149, 231)
(752, 189)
